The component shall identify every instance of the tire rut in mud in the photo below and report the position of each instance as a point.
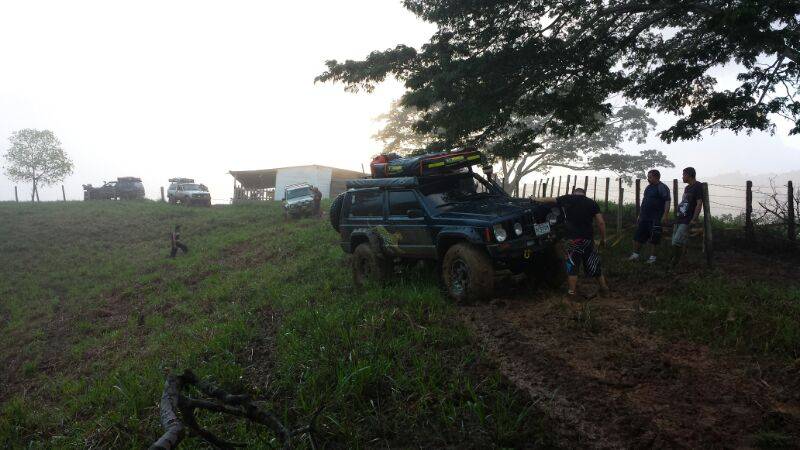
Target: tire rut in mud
(608, 383)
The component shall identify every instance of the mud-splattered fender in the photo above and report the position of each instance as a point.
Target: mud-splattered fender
(450, 235)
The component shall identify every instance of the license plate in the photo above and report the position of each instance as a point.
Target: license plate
(541, 228)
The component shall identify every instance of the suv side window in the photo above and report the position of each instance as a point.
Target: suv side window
(402, 201)
(367, 203)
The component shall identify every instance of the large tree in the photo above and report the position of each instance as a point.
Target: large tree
(601, 150)
(493, 62)
(36, 156)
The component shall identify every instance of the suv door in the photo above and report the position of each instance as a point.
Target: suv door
(409, 234)
(363, 208)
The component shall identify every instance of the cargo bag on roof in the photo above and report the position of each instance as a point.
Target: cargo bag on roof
(385, 166)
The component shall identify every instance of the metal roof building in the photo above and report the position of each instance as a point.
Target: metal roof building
(268, 184)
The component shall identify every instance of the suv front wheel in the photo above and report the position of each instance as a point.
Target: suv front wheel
(467, 273)
(369, 265)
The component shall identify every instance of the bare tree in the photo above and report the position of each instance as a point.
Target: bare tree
(775, 210)
(36, 156)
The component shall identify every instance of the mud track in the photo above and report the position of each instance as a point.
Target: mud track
(607, 382)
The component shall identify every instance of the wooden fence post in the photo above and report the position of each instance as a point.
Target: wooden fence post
(675, 196)
(544, 189)
(162, 193)
(534, 188)
(574, 182)
(619, 209)
(608, 184)
(749, 231)
(586, 184)
(638, 197)
(559, 184)
(63, 193)
(524, 187)
(16, 196)
(566, 189)
(594, 191)
(708, 240)
(552, 185)
(792, 225)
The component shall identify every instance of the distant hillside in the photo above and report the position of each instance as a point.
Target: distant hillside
(763, 179)
(727, 191)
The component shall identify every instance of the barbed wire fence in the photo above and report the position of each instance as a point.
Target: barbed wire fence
(756, 215)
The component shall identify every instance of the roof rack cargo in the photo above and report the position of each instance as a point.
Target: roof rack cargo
(129, 179)
(391, 165)
(181, 180)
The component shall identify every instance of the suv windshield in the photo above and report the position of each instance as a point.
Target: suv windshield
(193, 187)
(295, 193)
(446, 191)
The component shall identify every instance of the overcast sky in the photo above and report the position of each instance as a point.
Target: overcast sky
(197, 88)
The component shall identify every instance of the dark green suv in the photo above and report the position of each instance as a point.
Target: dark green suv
(469, 226)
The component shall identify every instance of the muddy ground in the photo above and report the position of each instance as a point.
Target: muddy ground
(606, 381)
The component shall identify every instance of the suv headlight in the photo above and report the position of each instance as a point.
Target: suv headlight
(518, 228)
(499, 232)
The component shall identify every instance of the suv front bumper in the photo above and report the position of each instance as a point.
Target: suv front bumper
(522, 249)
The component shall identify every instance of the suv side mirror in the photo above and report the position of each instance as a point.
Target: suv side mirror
(415, 213)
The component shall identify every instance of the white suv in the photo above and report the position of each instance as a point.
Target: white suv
(186, 192)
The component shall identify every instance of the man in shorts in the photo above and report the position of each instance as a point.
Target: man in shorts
(654, 212)
(579, 213)
(688, 211)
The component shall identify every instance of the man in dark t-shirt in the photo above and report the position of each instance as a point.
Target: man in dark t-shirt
(688, 211)
(654, 211)
(579, 213)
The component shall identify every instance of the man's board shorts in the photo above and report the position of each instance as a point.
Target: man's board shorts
(582, 251)
(680, 234)
(648, 231)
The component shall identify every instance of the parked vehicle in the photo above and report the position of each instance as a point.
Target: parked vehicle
(298, 200)
(125, 188)
(186, 192)
(470, 227)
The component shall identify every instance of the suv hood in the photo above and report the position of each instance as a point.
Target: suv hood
(491, 209)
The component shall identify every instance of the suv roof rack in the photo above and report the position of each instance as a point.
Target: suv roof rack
(297, 185)
(134, 179)
(181, 180)
(399, 182)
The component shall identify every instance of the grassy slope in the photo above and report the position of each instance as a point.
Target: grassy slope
(93, 315)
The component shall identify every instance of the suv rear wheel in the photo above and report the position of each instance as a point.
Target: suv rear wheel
(369, 265)
(468, 273)
(335, 211)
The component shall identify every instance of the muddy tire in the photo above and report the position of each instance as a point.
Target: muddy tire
(369, 266)
(548, 269)
(335, 211)
(467, 273)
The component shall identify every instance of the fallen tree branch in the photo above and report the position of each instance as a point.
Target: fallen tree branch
(173, 427)
(241, 406)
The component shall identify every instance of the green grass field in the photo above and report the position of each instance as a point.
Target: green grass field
(93, 316)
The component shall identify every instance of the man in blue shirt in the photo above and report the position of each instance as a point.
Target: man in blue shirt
(654, 211)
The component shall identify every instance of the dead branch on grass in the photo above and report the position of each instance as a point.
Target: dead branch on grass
(175, 427)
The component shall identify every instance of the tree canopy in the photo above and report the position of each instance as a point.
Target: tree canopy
(493, 63)
(36, 156)
(601, 150)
